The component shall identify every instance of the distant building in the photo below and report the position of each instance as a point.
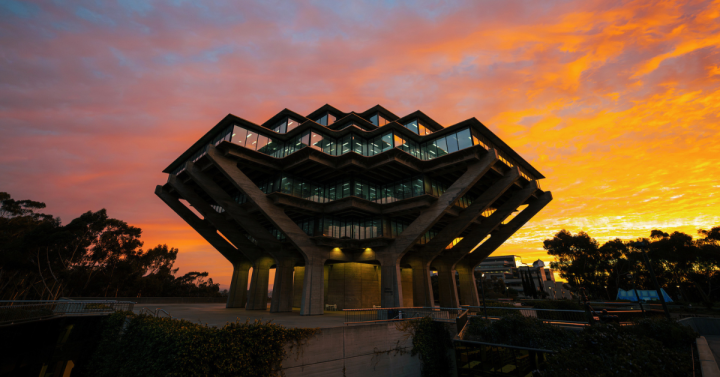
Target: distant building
(508, 267)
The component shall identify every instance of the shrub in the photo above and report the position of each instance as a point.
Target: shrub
(556, 304)
(518, 330)
(431, 341)
(146, 346)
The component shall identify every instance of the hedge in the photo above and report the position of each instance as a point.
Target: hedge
(133, 345)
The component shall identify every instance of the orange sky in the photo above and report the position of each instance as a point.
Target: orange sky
(616, 103)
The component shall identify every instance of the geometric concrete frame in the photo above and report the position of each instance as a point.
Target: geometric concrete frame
(352, 209)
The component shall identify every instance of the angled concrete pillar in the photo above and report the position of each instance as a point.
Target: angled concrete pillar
(450, 258)
(422, 294)
(314, 256)
(468, 286)
(237, 297)
(313, 293)
(391, 283)
(259, 281)
(407, 286)
(298, 281)
(447, 288)
(282, 298)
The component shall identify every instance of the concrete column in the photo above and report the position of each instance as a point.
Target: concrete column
(282, 298)
(407, 286)
(313, 296)
(298, 286)
(237, 297)
(468, 285)
(447, 287)
(258, 295)
(391, 285)
(422, 293)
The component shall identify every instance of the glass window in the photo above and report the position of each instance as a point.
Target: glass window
(441, 146)
(323, 120)
(413, 126)
(316, 141)
(399, 191)
(399, 141)
(422, 130)
(251, 141)
(291, 124)
(374, 119)
(417, 186)
(345, 189)
(262, 142)
(431, 150)
(346, 140)
(357, 145)
(281, 127)
(464, 139)
(331, 119)
(407, 189)
(386, 142)
(239, 135)
(375, 146)
(452, 143)
(286, 185)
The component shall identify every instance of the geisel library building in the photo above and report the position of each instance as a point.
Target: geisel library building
(352, 209)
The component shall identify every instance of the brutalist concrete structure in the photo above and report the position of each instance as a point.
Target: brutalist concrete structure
(352, 209)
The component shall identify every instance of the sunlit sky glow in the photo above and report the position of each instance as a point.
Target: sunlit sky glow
(616, 103)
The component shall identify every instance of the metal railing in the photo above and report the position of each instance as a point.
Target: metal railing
(20, 311)
(549, 315)
(400, 314)
(155, 313)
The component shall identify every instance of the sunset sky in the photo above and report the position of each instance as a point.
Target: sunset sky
(617, 103)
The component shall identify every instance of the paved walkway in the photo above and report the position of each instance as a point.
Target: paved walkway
(218, 315)
(714, 343)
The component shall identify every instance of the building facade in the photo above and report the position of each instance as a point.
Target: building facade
(508, 268)
(352, 209)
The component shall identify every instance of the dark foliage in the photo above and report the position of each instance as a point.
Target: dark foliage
(146, 346)
(92, 256)
(518, 330)
(686, 268)
(431, 341)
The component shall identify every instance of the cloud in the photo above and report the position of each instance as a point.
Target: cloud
(618, 104)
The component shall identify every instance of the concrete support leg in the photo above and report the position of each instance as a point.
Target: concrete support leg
(468, 286)
(282, 298)
(407, 286)
(237, 297)
(447, 288)
(298, 286)
(422, 287)
(391, 286)
(313, 297)
(258, 295)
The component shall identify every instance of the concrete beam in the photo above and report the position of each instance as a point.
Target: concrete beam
(237, 296)
(315, 256)
(391, 285)
(446, 262)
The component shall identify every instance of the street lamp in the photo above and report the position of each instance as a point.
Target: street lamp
(482, 284)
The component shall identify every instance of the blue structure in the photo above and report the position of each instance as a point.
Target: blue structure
(647, 295)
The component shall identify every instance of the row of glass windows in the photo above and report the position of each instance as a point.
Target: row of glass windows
(388, 193)
(356, 228)
(418, 127)
(438, 147)
(286, 125)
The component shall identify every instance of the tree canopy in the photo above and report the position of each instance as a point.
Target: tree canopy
(685, 266)
(92, 256)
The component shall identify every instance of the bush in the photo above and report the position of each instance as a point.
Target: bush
(556, 304)
(147, 346)
(431, 341)
(608, 350)
(518, 330)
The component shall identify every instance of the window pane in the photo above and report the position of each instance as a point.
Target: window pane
(262, 142)
(399, 141)
(423, 130)
(251, 141)
(464, 139)
(452, 143)
(346, 144)
(375, 146)
(238, 136)
(431, 150)
(316, 141)
(345, 189)
(407, 188)
(386, 142)
(413, 126)
(357, 144)
(331, 119)
(323, 120)
(441, 146)
(374, 119)
(291, 124)
(372, 192)
(382, 121)
(417, 184)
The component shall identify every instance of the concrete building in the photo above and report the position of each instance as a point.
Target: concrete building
(352, 209)
(508, 267)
